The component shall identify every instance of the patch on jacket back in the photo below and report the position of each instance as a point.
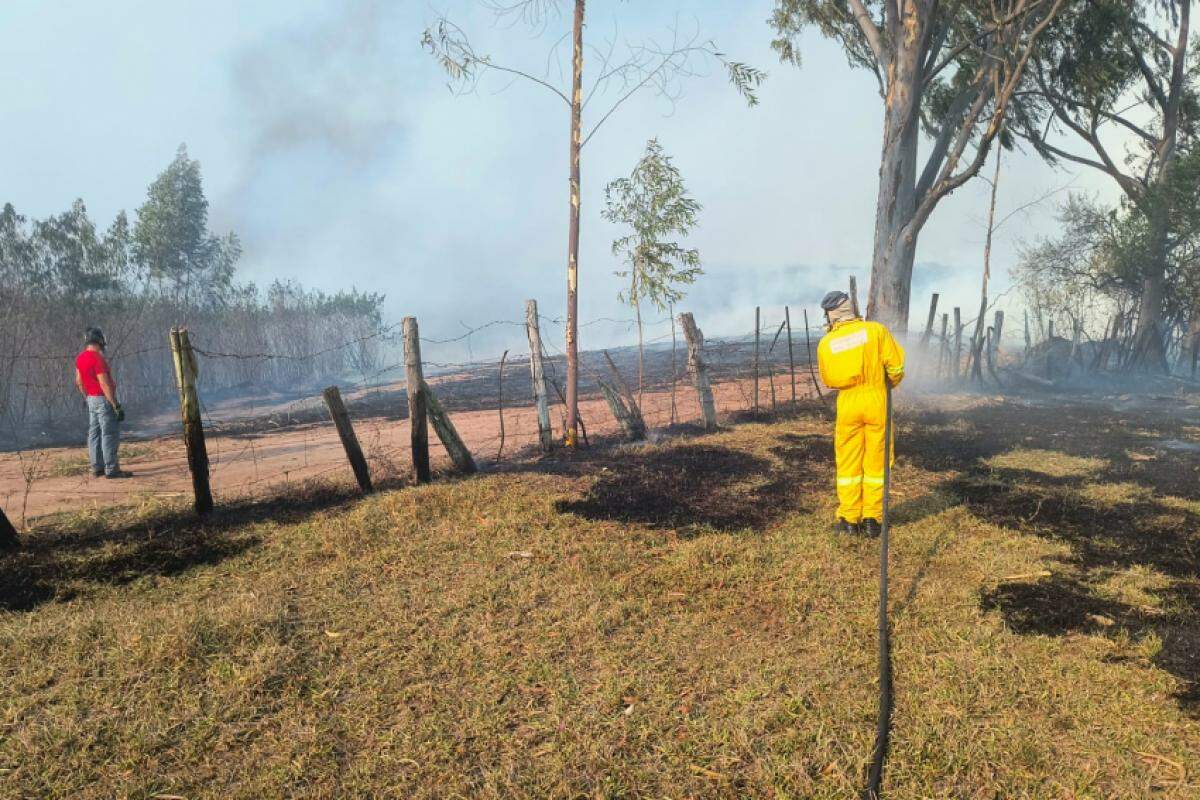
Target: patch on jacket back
(848, 342)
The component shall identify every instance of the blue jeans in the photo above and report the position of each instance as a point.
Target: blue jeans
(104, 435)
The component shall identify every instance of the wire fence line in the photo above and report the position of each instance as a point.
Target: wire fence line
(258, 444)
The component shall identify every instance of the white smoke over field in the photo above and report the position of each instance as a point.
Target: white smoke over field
(359, 168)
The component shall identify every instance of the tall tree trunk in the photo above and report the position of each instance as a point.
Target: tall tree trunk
(895, 240)
(573, 233)
(1150, 338)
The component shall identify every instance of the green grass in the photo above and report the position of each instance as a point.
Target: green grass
(671, 621)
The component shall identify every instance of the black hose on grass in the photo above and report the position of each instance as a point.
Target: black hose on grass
(883, 727)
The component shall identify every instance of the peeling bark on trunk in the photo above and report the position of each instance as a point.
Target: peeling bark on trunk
(572, 344)
(895, 207)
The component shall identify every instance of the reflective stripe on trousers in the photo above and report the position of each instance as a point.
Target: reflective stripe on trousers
(858, 447)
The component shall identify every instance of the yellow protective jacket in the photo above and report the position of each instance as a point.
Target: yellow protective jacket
(856, 353)
(856, 358)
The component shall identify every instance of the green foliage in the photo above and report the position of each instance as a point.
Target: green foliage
(1099, 257)
(61, 275)
(172, 241)
(653, 202)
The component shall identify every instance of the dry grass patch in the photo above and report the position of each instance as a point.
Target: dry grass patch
(541, 635)
(1047, 462)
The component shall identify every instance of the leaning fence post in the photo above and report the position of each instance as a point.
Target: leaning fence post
(787, 319)
(638, 429)
(417, 406)
(812, 368)
(8, 534)
(447, 433)
(854, 296)
(625, 415)
(193, 429)
(345, 430)
(757, 315)
(933, 302)
(538, 373)
(698, 369)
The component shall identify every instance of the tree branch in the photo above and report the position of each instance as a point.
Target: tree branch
(1000, 94)
(942, 143)
(871, 31)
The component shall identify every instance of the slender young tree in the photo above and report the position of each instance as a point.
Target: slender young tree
(1121, 67)
(653, 203)
(948, 68)
(647, 66)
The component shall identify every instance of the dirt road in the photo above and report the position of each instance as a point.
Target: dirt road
(35, 483)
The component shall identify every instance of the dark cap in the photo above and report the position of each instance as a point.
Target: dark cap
(833, 300)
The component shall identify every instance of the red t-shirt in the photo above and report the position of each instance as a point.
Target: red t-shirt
(91, 365)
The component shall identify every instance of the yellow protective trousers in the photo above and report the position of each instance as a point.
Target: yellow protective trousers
(859, 448)
(860, 358)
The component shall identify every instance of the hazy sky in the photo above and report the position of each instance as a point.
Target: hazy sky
(330, 143)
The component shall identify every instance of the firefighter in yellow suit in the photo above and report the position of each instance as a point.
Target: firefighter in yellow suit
(859, 359)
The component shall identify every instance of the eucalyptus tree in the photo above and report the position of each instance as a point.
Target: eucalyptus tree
(948, 68)
(1115, 78)
(654, 205)
(172, 242)
(646, 66)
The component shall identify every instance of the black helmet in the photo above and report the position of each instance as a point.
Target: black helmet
(833, 300)
(95, 336)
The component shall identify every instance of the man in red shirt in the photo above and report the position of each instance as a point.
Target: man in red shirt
(95, 383)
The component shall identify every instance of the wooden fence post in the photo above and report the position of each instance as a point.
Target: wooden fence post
(854, 295)
(418, 420)
(989, 349)
(698, 369)
(933, 302)
(958, 331)
(8, 534)
(448, 434)
(944, 346)
(538, 373)
(193, 429)
(1029, 342)
(345, 430)
(757, 314)
(787, 319)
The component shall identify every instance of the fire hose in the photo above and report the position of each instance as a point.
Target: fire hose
(883, 725)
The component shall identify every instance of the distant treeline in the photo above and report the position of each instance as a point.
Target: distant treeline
(60, 275)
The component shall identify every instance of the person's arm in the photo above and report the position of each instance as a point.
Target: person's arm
(109, 389)
(893, 359)
(79, 382)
